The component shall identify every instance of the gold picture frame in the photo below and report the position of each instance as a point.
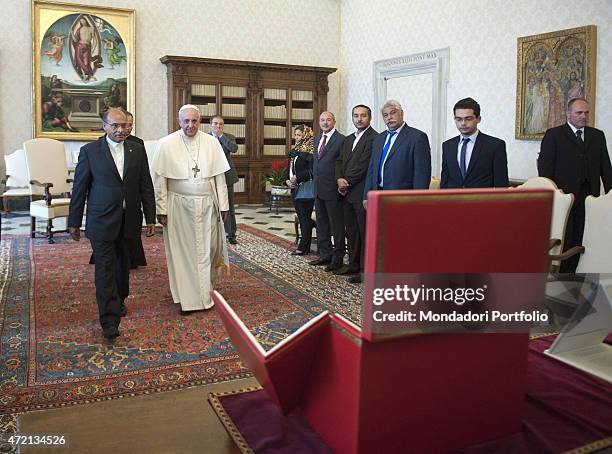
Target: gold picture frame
(83, 61)
(553, 68)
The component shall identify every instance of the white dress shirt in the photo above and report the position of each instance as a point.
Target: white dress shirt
(116, 150)
(358, 135)
(574, 129)
(328, 136)
(469, 149)
(392, 141)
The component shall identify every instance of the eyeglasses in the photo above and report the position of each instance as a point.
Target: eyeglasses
(116, 126)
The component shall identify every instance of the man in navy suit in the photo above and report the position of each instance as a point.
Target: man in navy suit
(401, 157)
(113, 177)
(575, 156)
(472, 159)
(330, 218)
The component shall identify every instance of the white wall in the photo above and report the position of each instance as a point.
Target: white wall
(482, 36)
(275, 31)
(351, 35)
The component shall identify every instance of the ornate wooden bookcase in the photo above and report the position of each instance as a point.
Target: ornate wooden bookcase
(260, 103)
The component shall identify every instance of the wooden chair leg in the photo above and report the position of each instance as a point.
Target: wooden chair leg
(50, 231)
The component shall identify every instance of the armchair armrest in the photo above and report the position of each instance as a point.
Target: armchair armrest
(553, 242)
(46, 187)
(569, 253)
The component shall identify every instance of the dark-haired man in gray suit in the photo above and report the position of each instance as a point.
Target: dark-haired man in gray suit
(229, 145)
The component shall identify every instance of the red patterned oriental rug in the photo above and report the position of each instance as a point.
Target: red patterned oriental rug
(52, 350)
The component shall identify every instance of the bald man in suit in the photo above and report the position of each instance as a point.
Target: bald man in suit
(575, 156)
(330, 218)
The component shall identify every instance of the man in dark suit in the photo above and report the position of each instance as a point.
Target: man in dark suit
(229, 145)
(113, 177)
(130, 125)
(401, 157)
(330, 219)
(351, 168)
(137, 255)
(472, 159)
(575, 157)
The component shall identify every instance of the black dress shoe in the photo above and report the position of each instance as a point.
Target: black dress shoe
(111, 333)
(232, 241)
(187, 313)
(320, 262)
(333, 266)
(356, 279)
(346, 270)
(300, 252)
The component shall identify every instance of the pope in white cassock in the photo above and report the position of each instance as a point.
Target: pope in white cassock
(191, 201)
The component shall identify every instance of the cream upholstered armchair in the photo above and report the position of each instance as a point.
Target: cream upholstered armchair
(597, 238)
(562, 204)
(16, 181)
(563, 296)
(48, 178)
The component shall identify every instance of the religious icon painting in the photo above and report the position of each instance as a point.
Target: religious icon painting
(83, 63)
(552, 69)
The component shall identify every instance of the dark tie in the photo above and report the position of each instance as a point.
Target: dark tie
(462, 157)
(384, 154)
(322, 147)
(579, 135)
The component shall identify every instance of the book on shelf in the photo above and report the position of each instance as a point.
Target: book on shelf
(275, 112)
(240, 185)
(275, 93)
(203, 90)
(207, 110)
(233, 92)
(233, 110)
(274, 132)
(301, 114)
(302, 95)
(235, 130)
(274, 150)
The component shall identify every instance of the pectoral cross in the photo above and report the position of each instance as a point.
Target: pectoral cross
(195, 169)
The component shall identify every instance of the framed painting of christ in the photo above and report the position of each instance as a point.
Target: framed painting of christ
(83, 62)
(552, 69)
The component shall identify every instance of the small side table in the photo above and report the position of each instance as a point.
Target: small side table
(280, 201)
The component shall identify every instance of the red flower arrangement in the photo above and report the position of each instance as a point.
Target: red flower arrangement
(277, 176)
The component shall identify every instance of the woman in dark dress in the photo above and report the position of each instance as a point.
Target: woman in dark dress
(299, 170)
